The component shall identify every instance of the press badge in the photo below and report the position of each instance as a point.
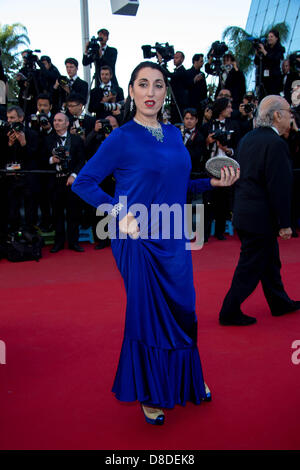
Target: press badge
(266, 73)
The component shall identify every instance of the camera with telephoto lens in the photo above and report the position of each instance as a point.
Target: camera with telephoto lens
(113, 106)
(222, 136)
(165, 50)
(64, 156)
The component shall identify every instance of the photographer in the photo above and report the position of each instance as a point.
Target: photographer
(30, 81)
(49, 74)
(107, 98)
(269, 56)
(222, 136)
(98, 52)
(293, 75)
(194, 141)
(230, 77)
(67, 84)
(80, 123)
(103, 128)
(247, 110)
(19, 152)
(65, 154)
(197, 88)
(179, 85)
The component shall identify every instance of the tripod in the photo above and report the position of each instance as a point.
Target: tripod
(259, 89)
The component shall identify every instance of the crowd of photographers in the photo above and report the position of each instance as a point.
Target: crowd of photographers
(59, 123)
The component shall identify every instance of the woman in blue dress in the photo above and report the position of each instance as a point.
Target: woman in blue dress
(159, 364)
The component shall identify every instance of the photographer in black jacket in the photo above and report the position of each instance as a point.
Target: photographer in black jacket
(64, 154)
(99, 53)
(222, 136)
(230, 78)
(49, 74)
(270, 55)
(19, 147)
(107, 97)
(179, 86)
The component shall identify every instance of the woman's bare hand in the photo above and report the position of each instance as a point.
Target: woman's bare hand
(129, 225)
(228, 177)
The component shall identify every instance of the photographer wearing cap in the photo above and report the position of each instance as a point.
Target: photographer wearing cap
(269, 55)
(101, 54)
(65, 154)
(19, 152)
(70, 83)
(106, 98)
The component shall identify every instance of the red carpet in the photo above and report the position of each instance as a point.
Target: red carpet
(62, 322)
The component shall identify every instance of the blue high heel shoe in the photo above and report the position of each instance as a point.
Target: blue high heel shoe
(208, 393)
(157, 417)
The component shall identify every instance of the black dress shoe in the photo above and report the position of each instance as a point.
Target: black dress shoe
(295, 305)
(76, 247)
(238, 320)
(102, 244)
(221, 237)
(56, 248)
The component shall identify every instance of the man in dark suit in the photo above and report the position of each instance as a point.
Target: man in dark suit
(19, 151)
(179, 86)
(197, 88)
(104, 94)
(262, 210)
(74, 85)
(194, 141)
(106, 56)
(220, 199)
(60, 184)
(230, 78)
(80, 122)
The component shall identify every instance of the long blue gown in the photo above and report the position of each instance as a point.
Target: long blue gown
(159, 362)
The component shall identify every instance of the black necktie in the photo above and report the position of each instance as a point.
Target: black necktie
(61, 139)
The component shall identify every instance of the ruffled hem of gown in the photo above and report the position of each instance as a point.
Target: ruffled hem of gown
(159, 377)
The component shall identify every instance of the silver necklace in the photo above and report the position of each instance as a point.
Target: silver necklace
(157, 132)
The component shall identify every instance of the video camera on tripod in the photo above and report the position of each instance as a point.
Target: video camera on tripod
(165, 50)
(216, 52)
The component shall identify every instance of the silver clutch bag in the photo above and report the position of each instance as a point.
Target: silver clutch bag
(215, 164)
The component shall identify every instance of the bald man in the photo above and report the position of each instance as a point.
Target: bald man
(262, 212)
(61, 195)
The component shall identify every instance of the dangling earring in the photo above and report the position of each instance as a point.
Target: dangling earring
(131, 105)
